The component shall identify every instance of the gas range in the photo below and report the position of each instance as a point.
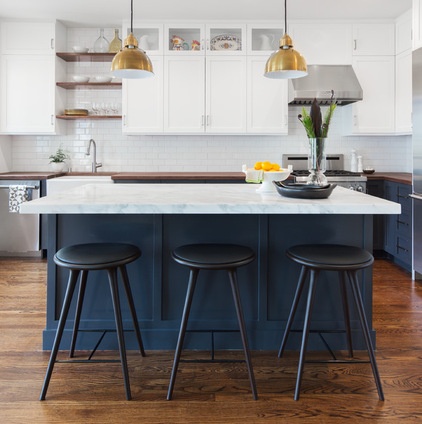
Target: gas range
(335, 172)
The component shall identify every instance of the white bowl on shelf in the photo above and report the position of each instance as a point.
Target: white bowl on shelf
(80, 78)
(102, 78)
(80, 49)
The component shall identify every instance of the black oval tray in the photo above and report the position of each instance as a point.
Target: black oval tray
(304, 191)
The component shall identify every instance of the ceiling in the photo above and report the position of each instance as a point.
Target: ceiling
(112, 12)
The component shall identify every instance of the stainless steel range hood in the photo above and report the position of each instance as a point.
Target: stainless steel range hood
(319, 82)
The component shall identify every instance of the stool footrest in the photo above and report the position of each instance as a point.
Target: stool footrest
(87, 361)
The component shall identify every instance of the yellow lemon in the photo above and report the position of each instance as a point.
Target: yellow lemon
(258, 166)
(266, 166)
(275, 167)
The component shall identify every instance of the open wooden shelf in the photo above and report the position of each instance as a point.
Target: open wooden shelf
(90, 85)
(86, 57)
(75, 117)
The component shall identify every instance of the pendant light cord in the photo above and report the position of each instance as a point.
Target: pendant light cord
(131, 16)
(285, 16)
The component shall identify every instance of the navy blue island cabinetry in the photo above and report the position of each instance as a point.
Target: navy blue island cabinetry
(160, 217)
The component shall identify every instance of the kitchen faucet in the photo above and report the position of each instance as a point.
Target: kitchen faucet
(95, 164)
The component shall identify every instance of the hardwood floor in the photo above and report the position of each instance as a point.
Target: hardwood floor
(208, 393)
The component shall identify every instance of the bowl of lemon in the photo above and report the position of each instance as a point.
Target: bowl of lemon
(270, 172)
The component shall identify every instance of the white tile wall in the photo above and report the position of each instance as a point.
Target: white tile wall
(120, 153)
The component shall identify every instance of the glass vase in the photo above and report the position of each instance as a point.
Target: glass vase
(116, 43)
(317, 161)
(101, 44)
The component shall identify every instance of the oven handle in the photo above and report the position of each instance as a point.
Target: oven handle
(33, 187)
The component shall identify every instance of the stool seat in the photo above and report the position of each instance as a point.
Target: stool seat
(347, 261)
(80, 259)
(213, 256)
(330, 256)
(209, 256)
(96, 255)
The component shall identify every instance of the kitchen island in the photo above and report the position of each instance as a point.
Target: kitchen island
(160, 217)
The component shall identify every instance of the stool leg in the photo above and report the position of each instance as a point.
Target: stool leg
(242, 326)
(299, 289)
(131, 303)
(79, 303)
(346, 313)
(73, 278)
(112, 276)
(365, 328)
(306, 325)
(193, 276)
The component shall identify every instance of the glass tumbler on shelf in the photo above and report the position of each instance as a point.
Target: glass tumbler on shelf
(101, 45)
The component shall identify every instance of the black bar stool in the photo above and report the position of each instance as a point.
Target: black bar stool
(347, 261)
(93, 257)
(212, 257)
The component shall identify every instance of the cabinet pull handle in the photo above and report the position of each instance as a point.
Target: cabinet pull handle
(355, 44)
(52, 44)
(124, 120)
(208, 120)
(402, 222)
(202, 44)
(401, 248)
(202, 120)
(52, 119)
(400, 196)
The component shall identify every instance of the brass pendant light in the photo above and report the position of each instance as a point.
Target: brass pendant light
(131, 62)
(286, 63)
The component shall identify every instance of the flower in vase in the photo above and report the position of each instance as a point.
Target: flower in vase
(314, 125)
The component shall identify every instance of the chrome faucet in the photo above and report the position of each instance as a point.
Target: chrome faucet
(95, 164)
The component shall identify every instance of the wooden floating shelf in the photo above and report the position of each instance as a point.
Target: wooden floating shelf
(86, 57)
(74, 117)
(90, 85)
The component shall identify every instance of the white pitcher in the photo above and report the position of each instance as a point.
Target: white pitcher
(143, 42)
(267, 42)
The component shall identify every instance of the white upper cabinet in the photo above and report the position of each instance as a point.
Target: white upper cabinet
(404, 32)
(29, 98)
(263, 38)
(371, 39)
(323, 43)
(210, 39)
(225, 94)
(184, 94)
(28, 37)
(417, 24)
(149, 36)
(375, 114)
(267, 100)
(142, 103)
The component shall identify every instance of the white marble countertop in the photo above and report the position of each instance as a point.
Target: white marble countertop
(200, 199)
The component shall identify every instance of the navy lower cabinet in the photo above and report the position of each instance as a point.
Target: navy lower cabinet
(393, 233)
(158, 283)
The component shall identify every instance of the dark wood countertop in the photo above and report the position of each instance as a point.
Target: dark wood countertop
(398, 177)
(26, 175)
(145, 176)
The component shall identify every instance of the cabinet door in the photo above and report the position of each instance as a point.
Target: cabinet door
(142, 103)
(27, 38)
(375, 113)
(404, 93)
(404, 32)
(227, 38)
(267, 100)
(27, 94)
(184, 94)
(226, 94)
(417, 24)
(373, 39)
(311, 40)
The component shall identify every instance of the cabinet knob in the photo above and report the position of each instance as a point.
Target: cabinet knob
(52, 44)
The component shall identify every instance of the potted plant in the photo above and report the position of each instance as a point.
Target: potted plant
(57, 161)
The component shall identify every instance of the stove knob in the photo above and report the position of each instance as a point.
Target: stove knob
(359, 188)
(351, 187)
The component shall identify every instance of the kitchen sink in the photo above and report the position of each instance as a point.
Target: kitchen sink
(67, 182)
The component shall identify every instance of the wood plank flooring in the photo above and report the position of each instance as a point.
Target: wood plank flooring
(208, 393)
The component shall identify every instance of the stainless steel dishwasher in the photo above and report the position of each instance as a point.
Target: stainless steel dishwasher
(19, 234)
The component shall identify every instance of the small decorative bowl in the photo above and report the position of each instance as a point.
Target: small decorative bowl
(102, 78)
(269, 177)
(368, 170)
(80, 78)
(80, 49)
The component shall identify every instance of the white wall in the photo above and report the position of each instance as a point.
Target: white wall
(5, 154)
